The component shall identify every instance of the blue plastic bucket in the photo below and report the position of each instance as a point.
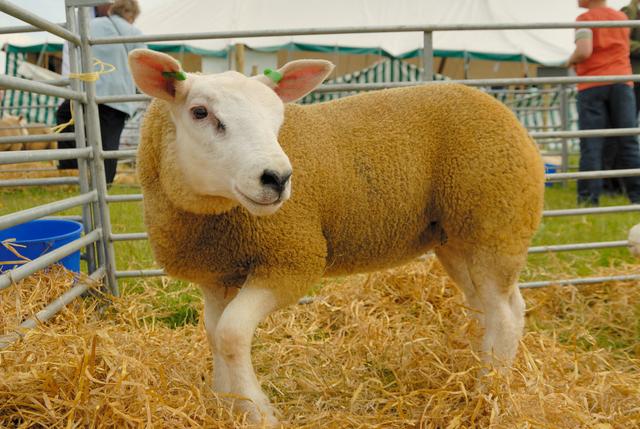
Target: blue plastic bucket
(550, 169)
(39, 237)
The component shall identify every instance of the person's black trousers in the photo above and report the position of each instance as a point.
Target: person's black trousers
(602, 107)
(63, 115)
(111, 126)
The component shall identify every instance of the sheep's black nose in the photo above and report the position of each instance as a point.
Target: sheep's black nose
(274, 180)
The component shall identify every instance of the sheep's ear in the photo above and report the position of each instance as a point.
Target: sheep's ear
(156, 74)
(297, 78)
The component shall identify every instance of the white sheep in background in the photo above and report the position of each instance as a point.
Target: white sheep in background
(12, 126)
(39, 129)
(634, 240)
(378, 179)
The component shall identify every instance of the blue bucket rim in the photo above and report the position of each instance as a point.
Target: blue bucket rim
(55, 237)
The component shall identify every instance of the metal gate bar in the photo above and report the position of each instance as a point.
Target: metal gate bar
(359, 30)
(40, 182)
(23, 216)
(47, 259)
(52, 309)
(44, 155)
(38, 138)
(580, 281)
(95, 142)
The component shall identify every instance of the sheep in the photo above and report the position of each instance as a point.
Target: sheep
(35, 128)
(11, 126)
(380, 178)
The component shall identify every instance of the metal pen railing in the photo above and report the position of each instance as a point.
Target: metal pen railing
(37, 138)
(52, 309)
(60, 181)
(359, 30)
(560, 135)
(94, 240)
(25, 270)
(33, 213)
(94, 199)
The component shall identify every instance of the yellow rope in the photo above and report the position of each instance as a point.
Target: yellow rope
(95, 75)
(104, 68)
(59, 128)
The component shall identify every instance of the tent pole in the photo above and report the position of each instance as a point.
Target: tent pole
(465, 65)
(427, 56)
(443, 62)
(525, 65)
(239, 57)
(336, 52)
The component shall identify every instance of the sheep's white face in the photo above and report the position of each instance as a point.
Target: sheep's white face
(227, 125)
(227, 141)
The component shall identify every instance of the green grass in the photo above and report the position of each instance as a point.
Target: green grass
(579, 229)
(177, 307)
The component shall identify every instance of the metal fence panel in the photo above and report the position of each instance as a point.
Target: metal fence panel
(548, 111)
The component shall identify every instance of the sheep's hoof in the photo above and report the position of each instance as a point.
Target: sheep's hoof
(425, 257)
(258, 412)
(261, 416)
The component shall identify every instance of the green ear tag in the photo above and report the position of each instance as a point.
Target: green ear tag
(177, 75)
(274, 75)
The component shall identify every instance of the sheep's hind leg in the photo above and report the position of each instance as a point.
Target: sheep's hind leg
(504, 322)
(489, 280)
(216, 299)
(455, 265)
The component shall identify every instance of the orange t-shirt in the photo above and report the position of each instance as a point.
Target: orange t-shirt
(610, 55)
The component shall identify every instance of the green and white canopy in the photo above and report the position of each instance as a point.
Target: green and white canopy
(34, 107)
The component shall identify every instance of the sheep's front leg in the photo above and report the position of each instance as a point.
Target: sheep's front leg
(216, 299)
(233, 336)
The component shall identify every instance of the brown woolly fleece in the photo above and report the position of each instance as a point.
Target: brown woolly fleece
(378, 179)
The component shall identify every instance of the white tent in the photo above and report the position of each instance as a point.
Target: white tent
(543, 46)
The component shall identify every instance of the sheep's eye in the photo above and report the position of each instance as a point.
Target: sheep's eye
(199, 112)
